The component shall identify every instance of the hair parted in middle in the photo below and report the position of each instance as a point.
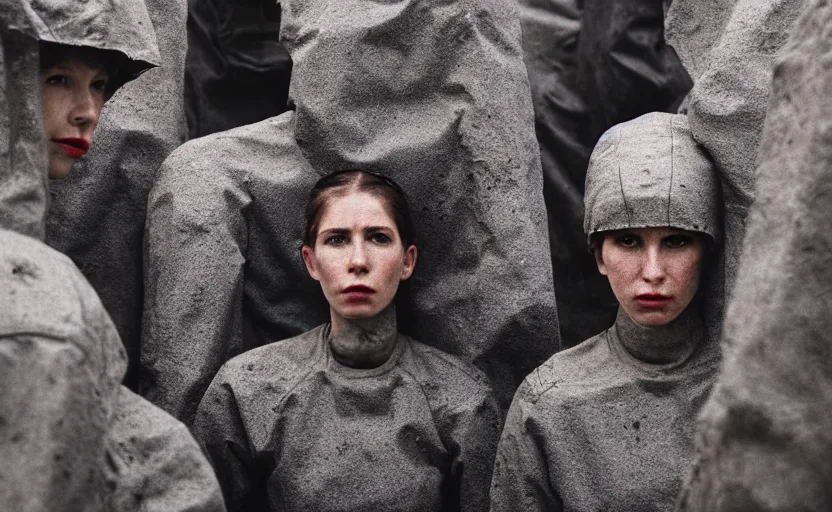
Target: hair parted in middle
(344, 182)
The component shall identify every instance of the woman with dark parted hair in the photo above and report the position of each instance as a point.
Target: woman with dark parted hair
(352, 415)
(608, 424)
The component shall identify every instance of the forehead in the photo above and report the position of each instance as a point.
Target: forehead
(75, 64)
(355, 210)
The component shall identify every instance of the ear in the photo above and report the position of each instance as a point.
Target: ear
(308, 254)
(409, 263)
(599, 260)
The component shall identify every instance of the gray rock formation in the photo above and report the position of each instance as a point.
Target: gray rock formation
(764, 437)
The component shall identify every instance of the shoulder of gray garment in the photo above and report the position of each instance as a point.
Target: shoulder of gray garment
(649, 172)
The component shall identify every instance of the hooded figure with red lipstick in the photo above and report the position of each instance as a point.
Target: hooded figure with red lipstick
(608, 424)
(72, 438)
(88, 50)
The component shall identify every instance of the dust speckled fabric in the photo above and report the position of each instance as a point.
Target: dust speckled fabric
(289, 428)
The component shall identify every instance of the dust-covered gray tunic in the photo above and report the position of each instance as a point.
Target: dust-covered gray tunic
(595, 428)
(289, 428)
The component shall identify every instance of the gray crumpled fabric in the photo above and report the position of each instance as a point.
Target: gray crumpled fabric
(71, 437)
(23, 162)
(98, 212)
(237, 71)
(625, 66)
(120, 25)
(435, 97)
(591, 65)
(60, 367)
(729, 48)
(764, 437)
(600, 426)
(650, 172)
(289, 428)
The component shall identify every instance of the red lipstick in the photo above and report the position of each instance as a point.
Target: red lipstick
(358, 292)
(74, 147)
(653, 300)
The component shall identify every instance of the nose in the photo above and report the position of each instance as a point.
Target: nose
(358, 263)
(85, 109)
(652, 268)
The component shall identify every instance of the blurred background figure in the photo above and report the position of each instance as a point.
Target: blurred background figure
(237, 71)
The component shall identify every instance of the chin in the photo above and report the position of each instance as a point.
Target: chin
(362, 312)
(59, 170)
(654, 318)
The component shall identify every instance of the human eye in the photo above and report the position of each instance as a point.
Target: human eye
(380, 238)
(335, 240)
(627, 240)
(57, 79)
(678, 240)
(100, 85)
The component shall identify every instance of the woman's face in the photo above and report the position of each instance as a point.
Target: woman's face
(358, 256)
(653, 272)
(73, 94)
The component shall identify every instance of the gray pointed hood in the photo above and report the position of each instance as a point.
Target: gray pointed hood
(119, 25)
(649, 172)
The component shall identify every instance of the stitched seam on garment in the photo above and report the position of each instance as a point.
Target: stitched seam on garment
(672, 155)
(620, 181)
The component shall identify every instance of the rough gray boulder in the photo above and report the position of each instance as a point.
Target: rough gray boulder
(729, 48)
(764, 437)
(435, 96)
(23, 162)
(98, 212)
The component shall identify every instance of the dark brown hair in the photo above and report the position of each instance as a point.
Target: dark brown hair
(343, 182)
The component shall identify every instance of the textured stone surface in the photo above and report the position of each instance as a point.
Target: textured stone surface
(98, 212)
(435, 96)
(23, 163)
(732, 69)
(764, 438)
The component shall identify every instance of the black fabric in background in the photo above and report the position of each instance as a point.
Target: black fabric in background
(237, 71)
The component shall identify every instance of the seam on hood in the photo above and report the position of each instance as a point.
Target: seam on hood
(672, 161)
(621, 181)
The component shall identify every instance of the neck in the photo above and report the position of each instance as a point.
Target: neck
(364, 343)
(665, 344)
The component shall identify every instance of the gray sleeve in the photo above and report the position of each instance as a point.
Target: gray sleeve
(157, 465)
(219, 429)
(195, 245)
(521, 475)
(472, 435)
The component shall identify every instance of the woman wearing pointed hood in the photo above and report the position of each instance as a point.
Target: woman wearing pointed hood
(73, 438)
(88, 50)
(608, 424)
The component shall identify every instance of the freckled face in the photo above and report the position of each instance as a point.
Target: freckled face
(72, 95)
(653, 272)
(358, 256)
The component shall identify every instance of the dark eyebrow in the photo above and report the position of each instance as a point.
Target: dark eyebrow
(334, 231)
(373, 229)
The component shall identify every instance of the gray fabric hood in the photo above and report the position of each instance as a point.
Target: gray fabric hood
(649, 172)
(120, 25)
